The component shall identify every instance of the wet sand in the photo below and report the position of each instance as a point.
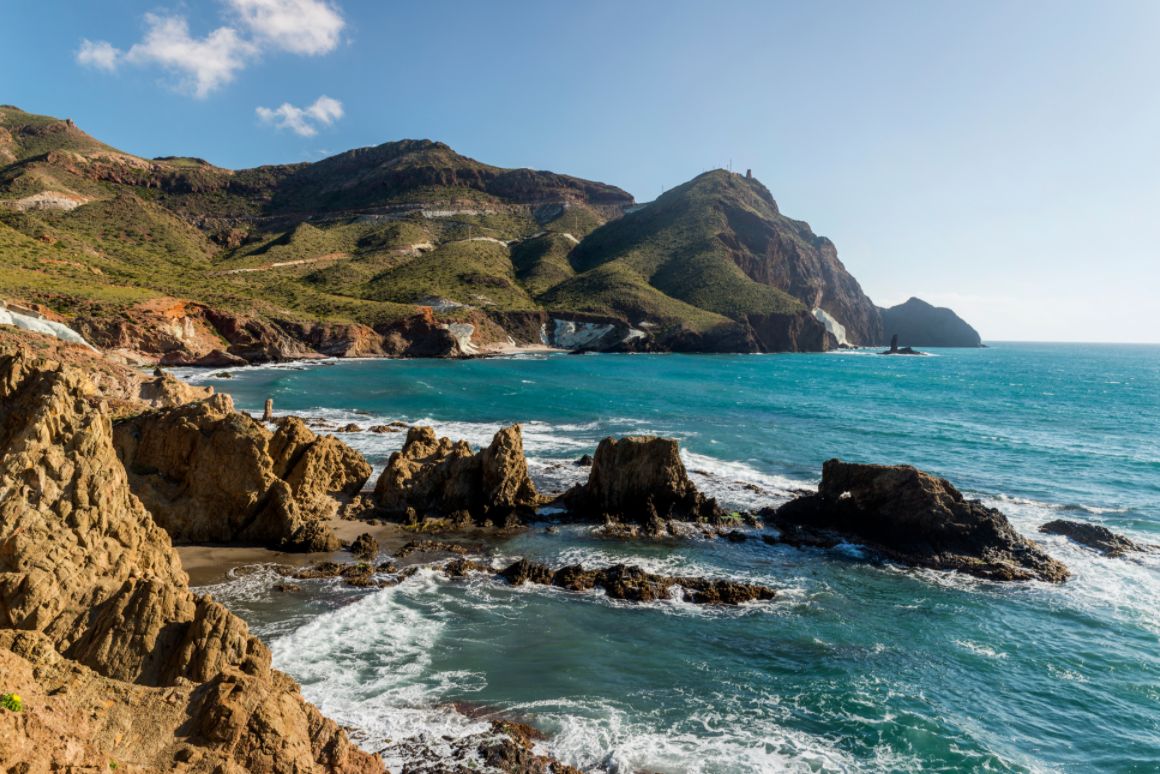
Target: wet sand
(208, 564)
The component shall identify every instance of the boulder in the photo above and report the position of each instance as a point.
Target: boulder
(1093, 536)
(117, 661)
(640, 480)
(365, 546)
(914, 518)
(208, 473)
(434, 476)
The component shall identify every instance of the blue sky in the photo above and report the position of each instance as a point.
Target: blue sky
(1002, 158)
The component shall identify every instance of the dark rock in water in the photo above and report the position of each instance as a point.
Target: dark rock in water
(896, 350)
(365, 546)
(631, 583)
(736, 536)
(585, 461)
(433, 476)
(914, 518)
(524, 571)
(350, 428)
(640, 480)
(1093, 536)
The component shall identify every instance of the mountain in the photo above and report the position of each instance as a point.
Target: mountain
(403, 249)
(919, 324)
(720, 243)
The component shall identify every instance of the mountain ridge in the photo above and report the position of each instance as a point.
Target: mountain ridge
(372, 237)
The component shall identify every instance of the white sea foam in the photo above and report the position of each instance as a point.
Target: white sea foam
(368, 665)
(979, 649)
(597, 735)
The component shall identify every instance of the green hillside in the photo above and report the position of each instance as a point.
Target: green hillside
(368, 235)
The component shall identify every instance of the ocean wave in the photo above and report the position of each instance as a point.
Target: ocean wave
(598, 735)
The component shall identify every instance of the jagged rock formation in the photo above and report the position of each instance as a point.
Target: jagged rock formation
(1094, 536)
(631, 583)
(918, 324)
(640, 480)
(434, 476)
(118, 662)
(208, 473)
(914, 518)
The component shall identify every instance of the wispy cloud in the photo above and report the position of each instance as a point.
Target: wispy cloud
(100, 55)
(309, 27)
(201, 64)
(303, 121)
(250, 28)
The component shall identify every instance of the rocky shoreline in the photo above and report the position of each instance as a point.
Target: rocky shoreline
(105, 470)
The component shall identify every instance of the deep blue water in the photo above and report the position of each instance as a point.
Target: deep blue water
(857, 666)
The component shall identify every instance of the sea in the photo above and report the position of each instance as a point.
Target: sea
(857, 665)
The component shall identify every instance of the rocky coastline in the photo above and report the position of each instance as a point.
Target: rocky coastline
(105, 470)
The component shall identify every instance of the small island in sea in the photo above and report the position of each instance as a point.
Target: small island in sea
(390, 459)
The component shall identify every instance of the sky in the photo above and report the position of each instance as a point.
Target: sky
(1000, 158)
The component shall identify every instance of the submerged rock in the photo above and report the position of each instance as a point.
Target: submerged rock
(914, 518)
(640, 480)
(434, 476)
(1093, 536)
(211, 474)
(116, 659)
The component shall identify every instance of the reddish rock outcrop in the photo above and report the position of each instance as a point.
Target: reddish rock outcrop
(914, 518)
(640, 480)
(117, 661)
(126, 390)
(434, 476)
(209, 473)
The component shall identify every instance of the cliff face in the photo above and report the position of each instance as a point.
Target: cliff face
(117, 660)
(918, 324)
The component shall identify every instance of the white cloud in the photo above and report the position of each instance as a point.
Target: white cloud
(100, 55)
(303, 121)
(205, 64)
(299, 26)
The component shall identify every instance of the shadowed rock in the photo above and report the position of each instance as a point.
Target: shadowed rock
(209, 473)
(1093, 536)
(914, 518)
(640, 480)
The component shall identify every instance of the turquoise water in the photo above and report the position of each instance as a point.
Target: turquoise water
(858, 665)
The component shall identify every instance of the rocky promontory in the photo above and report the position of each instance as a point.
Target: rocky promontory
(914, 518)
(119, 664)
(919, 324)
